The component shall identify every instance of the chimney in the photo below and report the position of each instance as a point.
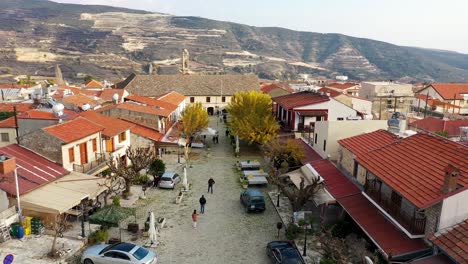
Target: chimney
(450, 179)
(7, 165)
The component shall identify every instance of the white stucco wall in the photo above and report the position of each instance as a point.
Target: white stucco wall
(332, 131)
(120, 147)
(3, 201)
(11, 136)
(369, 90)
(361, 105)
(75, 144)
(454, 210)
(214, 101)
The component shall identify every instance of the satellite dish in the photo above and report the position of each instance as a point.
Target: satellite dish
(58, 108)
(115, 97)
(85, 107)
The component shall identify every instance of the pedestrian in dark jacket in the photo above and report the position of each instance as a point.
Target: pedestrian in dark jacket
(211, 182)
(202, 204)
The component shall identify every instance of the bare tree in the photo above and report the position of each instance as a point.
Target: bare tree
(59, 227)
(335, 248)
(114, 185)
(297, 196)
(140, 158)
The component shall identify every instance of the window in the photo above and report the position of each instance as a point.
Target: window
(315, 138)
(355, 170)
(324, 145)
(318, 118)
(122, 136)
(208, 99)
(94, 145)
(340, 118)
(192, 99)
(5, 137)
(71, 154)
(223, 99)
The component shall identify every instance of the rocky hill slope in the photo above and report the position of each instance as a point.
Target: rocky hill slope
(110, 43)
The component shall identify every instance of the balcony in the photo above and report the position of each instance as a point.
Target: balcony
(92, 166)
(413, 224)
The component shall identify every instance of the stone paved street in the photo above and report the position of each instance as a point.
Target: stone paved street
(225, 233)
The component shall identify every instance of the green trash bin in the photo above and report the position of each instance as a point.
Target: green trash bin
(14, 229)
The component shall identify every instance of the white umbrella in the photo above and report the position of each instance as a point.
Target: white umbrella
(184, 180)
(153, 236)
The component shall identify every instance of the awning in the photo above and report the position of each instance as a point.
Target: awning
(63, 194)
(311, 113)
(309, 174)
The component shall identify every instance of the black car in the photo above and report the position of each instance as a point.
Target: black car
(253, 200)
(283, 252)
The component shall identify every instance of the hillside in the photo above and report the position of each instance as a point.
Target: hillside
(110, 43)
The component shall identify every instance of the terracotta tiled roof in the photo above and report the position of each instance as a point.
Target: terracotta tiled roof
(8, 123)
(332, 92)
(80, 99)
(20, 107)
(172, 97)
(151, 102)
(74, 91)
(190, 85)
(144, 109)
(434, 124)
(112, 126)
(47, 115)
(13, 85)
(33, 170)
(93, 84)
(291, 101)
(73, 130)
(147, 132)
(342, 86)
(107, 94)
(454, 242)
(364, 143)
(448, 91)
(414, 166)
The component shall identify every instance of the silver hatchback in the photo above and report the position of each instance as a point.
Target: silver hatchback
(169, 180)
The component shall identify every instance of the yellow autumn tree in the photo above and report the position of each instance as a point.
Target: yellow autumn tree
(194, 119)
(251, 117)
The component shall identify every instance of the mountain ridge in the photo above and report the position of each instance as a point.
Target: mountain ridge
(112, 42)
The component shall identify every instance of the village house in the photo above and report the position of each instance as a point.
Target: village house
(452, 94)
(81, 102)
(92, 84)
(300, 111)
(115, 138)
(174, 98)
(361, 105)
(214, 92)
(451, 129)
(75, 144)
(107, 95)
(345, 88)
(8, 131)
(427, 105)
(31, 120)
(159, 104)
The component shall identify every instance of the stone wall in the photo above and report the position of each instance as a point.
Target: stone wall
(144, 119)
(44, 144)
(432, 218)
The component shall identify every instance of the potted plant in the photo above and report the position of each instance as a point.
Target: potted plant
(245, 183)
(102, 235)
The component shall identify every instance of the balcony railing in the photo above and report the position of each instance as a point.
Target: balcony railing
(415, 225)
(99, 161)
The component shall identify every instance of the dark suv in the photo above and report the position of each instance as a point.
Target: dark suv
(283, 252)
(253, 200)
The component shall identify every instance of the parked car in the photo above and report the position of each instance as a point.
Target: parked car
(253, 200)
(283, 252)
(118, 253)
(169, 180)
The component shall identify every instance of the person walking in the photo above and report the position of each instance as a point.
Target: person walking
(211, 182)
(202, 204)
(194, 218)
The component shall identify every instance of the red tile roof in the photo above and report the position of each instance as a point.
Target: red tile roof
(33, 170)
(414, 166)
(310, 154)
(20, 107)
(39, 114)
(73, 130)
(294, 100)
(112, 126)
(13, 85)
(108, 94)
(144, 109)
(454, 242)
(388, 237)
(80, 99)
(332, 92)
(174, 98)
(147, 133)
(151, 102)
(364, 143)
(342, 86)
(8, 123)
(93, 84)
(434, 124)
(449, 91)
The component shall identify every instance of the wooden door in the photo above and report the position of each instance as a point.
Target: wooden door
(83, 153)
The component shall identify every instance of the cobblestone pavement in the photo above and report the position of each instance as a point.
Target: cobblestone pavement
(225, 233)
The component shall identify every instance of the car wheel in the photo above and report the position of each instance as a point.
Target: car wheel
(88, 261)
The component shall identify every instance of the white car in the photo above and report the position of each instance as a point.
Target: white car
(169, 180)
(118, 253)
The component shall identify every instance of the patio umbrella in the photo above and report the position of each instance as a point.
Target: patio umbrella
(153, 236)
(184, 180)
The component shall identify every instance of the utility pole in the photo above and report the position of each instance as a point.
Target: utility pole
(425, 107)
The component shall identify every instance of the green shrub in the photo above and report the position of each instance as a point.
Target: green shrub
(141, 179)
(327, 260)
(116, 201)
(157, 167)
(342, 229)
(292, 231)
(101, 235)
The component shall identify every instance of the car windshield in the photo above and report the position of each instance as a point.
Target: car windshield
(290, 256)
(140, 253)
(106, 249)
(166, 179)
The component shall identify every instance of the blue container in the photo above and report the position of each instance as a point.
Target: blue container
(20, 232)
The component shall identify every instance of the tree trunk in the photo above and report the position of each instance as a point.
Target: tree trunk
(237, 144)
(106, 195)
(127, 186)
(56, 228)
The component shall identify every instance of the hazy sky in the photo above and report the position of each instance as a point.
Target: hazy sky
(438, 24)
